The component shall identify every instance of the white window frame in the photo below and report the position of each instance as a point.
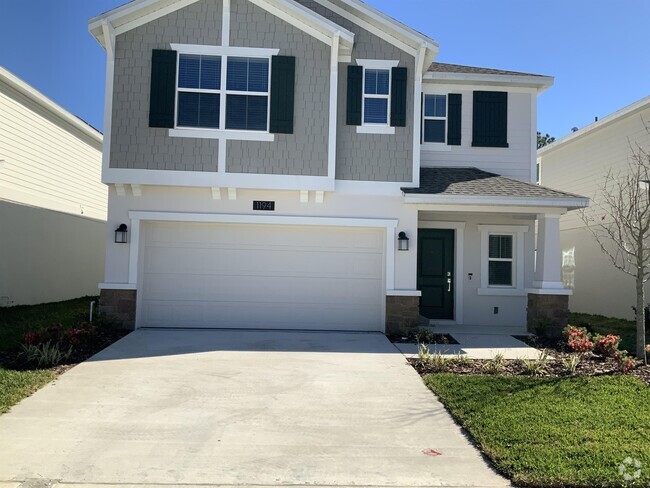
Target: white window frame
(435, 145)
(222, 133)
(517, 232)
(376, 64)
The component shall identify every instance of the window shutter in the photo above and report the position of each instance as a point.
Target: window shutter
(355, 95)
(398, 97)
(283, 80)
(163, 89)
(455, 105)
(490, 121)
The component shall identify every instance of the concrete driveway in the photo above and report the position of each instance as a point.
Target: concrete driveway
(239, 408)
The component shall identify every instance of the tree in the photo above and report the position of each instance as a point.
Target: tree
(619, 220)
(544, 140)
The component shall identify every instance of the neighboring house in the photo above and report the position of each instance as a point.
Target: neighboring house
(271, 157)
(579, 162)
(52, 201)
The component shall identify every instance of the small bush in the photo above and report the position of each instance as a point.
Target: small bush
(536, 367)
(578, 339)
(607, 345)
(625, 362)
(435, 362)
(461, 359)
(571, 365)
(495, 365)
(45, 355)
(423, 336)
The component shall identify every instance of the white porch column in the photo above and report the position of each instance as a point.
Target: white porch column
(548, 268)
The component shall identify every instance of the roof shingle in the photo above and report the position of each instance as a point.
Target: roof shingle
(458, 68)
(475, 182)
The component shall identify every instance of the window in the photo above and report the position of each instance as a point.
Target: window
(376, 96)
(500, 260)
(199, 82)
(435, 119)
(201, 92)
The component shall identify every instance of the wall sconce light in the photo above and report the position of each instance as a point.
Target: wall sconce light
(120, 234)
(402, 242)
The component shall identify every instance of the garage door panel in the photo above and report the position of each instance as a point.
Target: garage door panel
(235, 275)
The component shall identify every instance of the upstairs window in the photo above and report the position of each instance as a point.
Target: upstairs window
(376, 96)
(247, 94)
(201, 92)
(435, 119)
(199, 85)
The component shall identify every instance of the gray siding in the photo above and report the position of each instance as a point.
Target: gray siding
(371, 157)
(305, 151)
(133, 143)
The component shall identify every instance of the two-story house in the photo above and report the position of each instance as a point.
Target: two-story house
(305, 164)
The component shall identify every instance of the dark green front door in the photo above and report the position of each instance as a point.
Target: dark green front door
(436, 273)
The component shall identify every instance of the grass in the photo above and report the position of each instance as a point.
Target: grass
(16, 321)
(550, 432)
(608, 325)
(16, 385)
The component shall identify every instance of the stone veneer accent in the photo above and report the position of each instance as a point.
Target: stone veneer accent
(547, 314)
(402, 314)
(119, 306)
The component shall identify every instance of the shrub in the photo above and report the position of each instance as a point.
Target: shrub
(578, 339)
(423, 336)
(31, 338)
(495, 365)
(461, 359)
(607, 345)
(536, 367)
(571, 365)
(45, 355)
(626, 363)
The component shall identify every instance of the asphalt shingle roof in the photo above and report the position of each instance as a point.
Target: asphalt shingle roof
(458, 68)
(475, 182)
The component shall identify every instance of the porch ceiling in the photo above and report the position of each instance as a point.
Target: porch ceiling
(472, 186)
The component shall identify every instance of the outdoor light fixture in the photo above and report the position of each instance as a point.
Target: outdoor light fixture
(120, 234)
(402, 242)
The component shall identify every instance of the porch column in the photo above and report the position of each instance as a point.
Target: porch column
(548, 300)
(548, 270)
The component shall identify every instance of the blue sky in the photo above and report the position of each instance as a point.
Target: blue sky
(596, 49)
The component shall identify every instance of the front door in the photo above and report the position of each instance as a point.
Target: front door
(436, 273)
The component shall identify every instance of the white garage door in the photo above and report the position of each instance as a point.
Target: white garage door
(262, 276)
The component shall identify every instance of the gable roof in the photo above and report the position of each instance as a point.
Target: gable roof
(476, 183)
(9, 79)
(631, 109)
(459, 68)
(139, 12)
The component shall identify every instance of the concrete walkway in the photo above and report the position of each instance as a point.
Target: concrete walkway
(239, 408)
(477, 346)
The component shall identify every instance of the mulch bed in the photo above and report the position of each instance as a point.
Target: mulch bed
(431, 339)
(590, 365)
(102, 337)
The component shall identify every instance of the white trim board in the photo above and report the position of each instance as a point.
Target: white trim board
(390, 225)
(459, 262)
(563, 202)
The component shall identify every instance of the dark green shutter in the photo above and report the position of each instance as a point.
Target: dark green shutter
(398, 97)
(490, 121)
(163, 89)
(283, 80)
(355, 95)
(454, 107)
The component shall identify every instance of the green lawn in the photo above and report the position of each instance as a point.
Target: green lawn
(16, 385)
(572, 432)
(608, 325)
(15, 321)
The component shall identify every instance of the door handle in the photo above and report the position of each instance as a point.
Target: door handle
(449, 285)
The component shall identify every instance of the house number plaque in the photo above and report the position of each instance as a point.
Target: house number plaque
(260, 205)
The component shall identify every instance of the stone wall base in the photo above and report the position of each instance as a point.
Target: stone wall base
(402, 314)
(119, 307)
(548, 315)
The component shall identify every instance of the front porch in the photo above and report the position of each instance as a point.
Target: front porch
(488, 253)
